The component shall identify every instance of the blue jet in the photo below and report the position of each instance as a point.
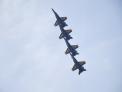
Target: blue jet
(60, 20)
(65, 34)
(71, 48)
(61, 23)
(78, 65)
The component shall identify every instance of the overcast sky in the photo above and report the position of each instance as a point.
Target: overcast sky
(32, 57)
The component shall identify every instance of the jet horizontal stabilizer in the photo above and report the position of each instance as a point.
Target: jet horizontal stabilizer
(81, 70)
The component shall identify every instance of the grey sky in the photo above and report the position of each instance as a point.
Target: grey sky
(32, 57)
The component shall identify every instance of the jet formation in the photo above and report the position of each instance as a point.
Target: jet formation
(71, 49)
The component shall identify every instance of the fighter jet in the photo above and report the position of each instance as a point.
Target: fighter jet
(65, 34)
(78, 65)
(61, 22)
(71, 48)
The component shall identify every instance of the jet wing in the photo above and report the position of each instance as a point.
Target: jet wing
(74, 68)
(67, 51)
(56, 23)
(61, 36)
(75, 46)
(68, 31)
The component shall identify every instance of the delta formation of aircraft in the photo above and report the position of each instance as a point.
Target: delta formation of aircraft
(71, 49)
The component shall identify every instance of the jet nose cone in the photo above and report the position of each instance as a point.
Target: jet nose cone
(52, 9)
